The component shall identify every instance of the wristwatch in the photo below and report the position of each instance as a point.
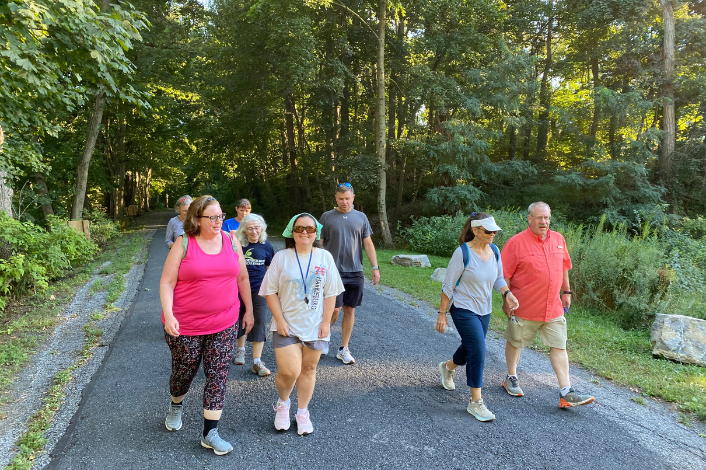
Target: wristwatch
(506, 292)
(567, 292)
(376, 267)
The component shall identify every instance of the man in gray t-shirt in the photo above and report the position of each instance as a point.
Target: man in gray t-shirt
(346, 232)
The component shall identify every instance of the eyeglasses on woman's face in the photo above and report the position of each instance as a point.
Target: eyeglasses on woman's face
(307, 229)
(253, 229)
(213, 218)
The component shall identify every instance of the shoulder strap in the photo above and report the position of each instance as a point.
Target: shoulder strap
(184, 243)
(466, 259)
(232, 242)
(495, 251)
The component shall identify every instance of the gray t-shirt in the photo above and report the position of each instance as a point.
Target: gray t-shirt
(343, 236)
(175, 228)
(474, 292)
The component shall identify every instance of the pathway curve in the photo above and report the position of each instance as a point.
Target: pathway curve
(386, 411)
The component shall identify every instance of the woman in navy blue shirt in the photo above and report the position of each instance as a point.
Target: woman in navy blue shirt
(258, 256)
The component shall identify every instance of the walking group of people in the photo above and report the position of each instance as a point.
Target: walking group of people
(220, 277)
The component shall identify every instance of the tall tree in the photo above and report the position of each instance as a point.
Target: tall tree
(380, 138)
(668, 119)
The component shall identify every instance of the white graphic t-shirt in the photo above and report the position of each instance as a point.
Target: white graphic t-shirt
(303, 309)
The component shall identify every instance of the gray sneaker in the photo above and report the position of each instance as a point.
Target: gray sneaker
(260, 369)
(345, 356)
(574, 398)
(512, 387)
(214, 441)
(478, 409)
(239, 356)
(447, 377)
(173, 421)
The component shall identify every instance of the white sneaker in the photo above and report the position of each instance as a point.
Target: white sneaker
(304, 425)
(447, 377)
(282, 420)
(345, 356)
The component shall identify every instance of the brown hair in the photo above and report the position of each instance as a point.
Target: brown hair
(243, 204)
(467, 233)
(289, 242)
(191, 224)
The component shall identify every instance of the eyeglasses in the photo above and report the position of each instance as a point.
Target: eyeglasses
(253, 229)
(213, 218)
(347, 185)
(300, 229)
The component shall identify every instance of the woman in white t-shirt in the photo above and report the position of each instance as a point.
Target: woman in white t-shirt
(300, 286)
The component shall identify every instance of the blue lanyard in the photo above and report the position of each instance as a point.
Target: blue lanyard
(296, 255)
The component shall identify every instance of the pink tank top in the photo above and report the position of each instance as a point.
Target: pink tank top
(206, 294)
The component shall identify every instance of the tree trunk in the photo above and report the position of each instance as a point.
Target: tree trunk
(400, 183)
(292, 149)
(596, 107)
(668, 119)
(5, 190)
(545, 96)
(42, 189)
(512, 151)
(380, 126)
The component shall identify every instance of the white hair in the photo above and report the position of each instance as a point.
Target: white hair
(535, 204)
(240, 232)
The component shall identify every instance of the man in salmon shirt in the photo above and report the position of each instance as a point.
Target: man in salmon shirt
(536, 266)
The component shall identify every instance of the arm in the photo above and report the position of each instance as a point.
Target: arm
(502, 286)
(244, 288)
(453, 273)
(169, 238)
(566, 287)
(441, 321)
(276, 309)
(372, 257)
(325, 327)
(167, 283)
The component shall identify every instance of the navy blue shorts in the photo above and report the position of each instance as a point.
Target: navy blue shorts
(353, 295)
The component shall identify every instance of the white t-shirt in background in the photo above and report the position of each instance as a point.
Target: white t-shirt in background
(285, 279)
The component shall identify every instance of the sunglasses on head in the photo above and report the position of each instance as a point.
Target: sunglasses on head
(347, 185)
(300, 229)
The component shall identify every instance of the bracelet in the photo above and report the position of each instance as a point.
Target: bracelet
(506, 292)
(567, 292)
(376, 267)
(442, 312)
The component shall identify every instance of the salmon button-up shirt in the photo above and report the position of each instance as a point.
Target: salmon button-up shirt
(535, 268)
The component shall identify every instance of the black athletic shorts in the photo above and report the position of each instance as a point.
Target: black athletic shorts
(353, 295)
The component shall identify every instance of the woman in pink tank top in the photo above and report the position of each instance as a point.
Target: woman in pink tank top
(199, 292)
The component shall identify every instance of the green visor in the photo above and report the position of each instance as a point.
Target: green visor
(288, 231)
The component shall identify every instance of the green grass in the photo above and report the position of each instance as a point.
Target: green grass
(596, 341)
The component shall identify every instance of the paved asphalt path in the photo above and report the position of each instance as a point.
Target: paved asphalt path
(386, 411)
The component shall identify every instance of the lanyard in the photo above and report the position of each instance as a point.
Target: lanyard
(296, 255)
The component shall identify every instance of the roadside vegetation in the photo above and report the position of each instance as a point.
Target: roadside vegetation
(620, 279)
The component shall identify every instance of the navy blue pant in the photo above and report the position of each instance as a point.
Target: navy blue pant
(472, 328)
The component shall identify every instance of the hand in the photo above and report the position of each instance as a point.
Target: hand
(283, 329)
(566, 301)
(248, 321)
(376, 276)
(171, 325)
(512, 302)
(324, 329)
(441, 323)
(506, 310)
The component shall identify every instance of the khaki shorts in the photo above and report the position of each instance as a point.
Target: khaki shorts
(520, 332)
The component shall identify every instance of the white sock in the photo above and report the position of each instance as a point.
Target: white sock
(279, 400)
(565, 390)
(242, 349)
(256, 360)
(301, 411)
(508, 376)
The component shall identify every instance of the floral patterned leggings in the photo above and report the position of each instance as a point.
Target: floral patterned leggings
(187, 351)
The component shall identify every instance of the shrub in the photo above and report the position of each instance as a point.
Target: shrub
(102, 228)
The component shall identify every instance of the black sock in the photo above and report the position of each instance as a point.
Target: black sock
(209, 424)
(340, 348)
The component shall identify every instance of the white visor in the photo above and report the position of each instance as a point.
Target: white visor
(488, 223)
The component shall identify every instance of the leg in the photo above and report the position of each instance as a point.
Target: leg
(186, 358)
(347, 325)
(472, 328)
(307, 377)
(241, 341)
(257, 347)
(289, 364)
(217, 353)
(560, 364)
(512, 358)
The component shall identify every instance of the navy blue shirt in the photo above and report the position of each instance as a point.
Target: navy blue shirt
(230, 224)
(258, 257)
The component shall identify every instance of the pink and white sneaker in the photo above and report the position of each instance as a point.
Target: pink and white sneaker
(304, 425)
(282, 420)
